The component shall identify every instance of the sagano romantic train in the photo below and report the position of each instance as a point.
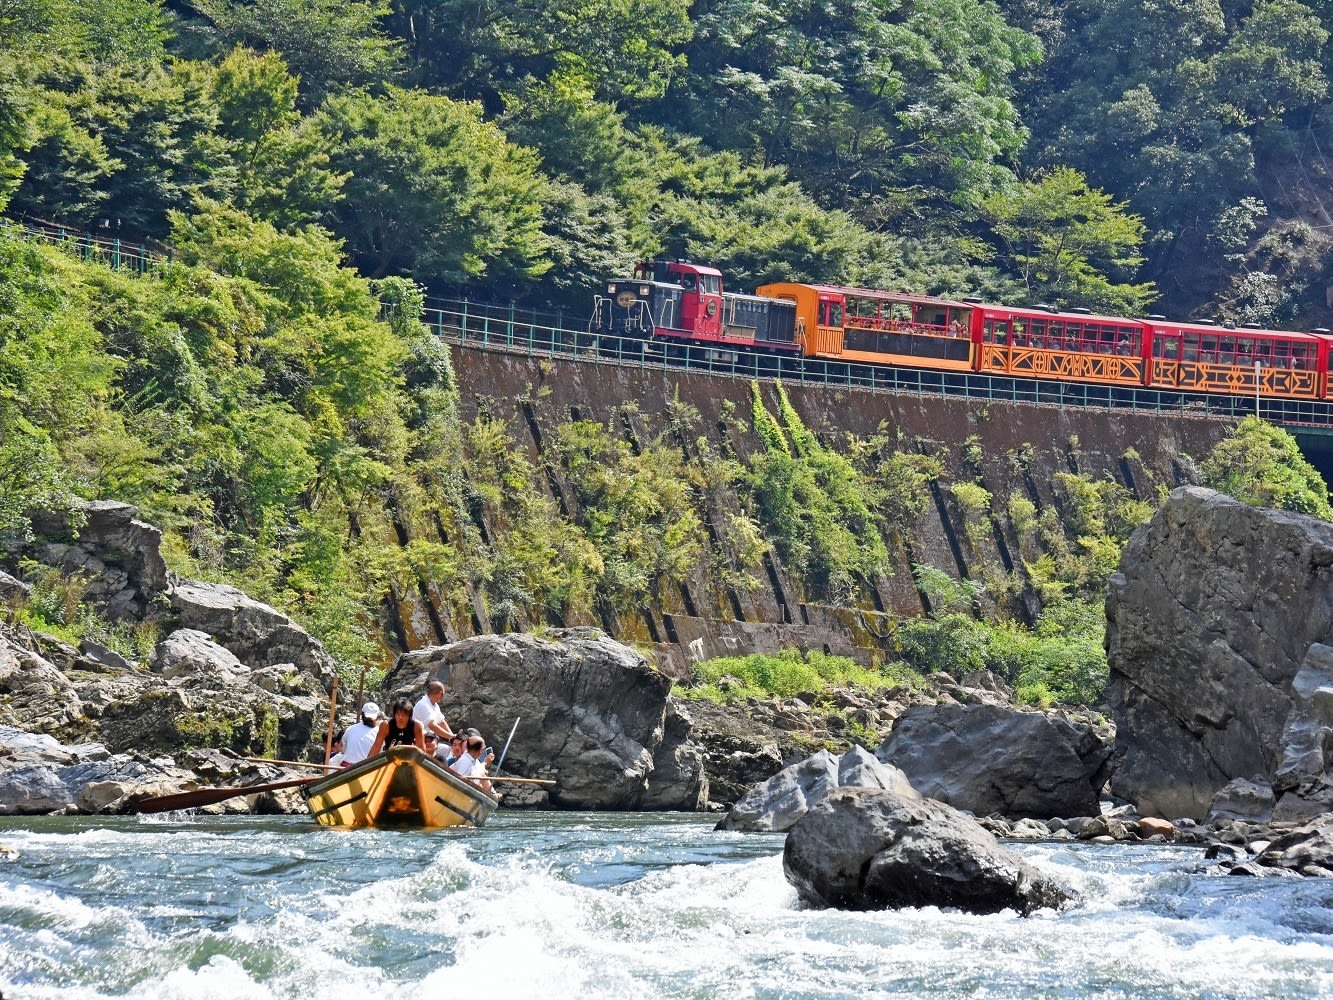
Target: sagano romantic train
(674, 302)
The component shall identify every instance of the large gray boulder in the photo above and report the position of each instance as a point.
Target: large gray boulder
(40, 775)
(1209, 621)
(118, 556)
(779, 802)
(873, 849)
(189, 651)
(988, 759)
(34, 693)
(1243, 800)
(677, 781)
(258, 635)
(594, 715)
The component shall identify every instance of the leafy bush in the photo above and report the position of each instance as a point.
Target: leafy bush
(1261, 465)
(814, 505)
(784, 674)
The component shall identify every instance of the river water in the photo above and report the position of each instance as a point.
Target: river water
(601, 905)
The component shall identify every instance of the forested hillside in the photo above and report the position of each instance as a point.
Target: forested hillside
(268, 397)
(1107, 154)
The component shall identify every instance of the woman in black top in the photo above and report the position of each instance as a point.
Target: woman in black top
(399, 729)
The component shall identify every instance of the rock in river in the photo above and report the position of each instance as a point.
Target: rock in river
(987, 759)
(780, 801)
(873, 849)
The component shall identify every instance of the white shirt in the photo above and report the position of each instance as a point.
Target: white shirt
(464, 765)
(426, 711)
(357, 742)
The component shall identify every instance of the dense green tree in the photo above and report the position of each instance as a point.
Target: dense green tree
(859, 97)
(434, 191)
(1261, 465)
(1068, 242)
(119, 146)
(1164, 102)
(328, 44)
(483, 49)
(282, 169)
(55, 381)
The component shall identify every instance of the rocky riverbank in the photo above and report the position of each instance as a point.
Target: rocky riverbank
(86, 729)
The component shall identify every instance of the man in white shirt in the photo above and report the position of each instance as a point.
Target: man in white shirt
(360, 737)
(473, 763)
(427, 711)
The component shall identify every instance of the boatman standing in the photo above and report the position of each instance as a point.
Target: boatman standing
(427, 711)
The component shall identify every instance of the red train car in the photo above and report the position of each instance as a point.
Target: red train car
(1201, 357)
(1034, 342)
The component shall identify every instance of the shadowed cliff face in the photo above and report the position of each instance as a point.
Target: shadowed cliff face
(1209, 621)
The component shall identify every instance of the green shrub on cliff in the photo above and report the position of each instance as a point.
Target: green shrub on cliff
(1261, 465)
(781, 675)
(814, 505)
(1060, 659)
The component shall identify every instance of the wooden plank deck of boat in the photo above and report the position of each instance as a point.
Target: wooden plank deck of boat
(401, 787)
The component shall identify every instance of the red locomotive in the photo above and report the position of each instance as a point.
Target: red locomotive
(679, 303)
(668, 301)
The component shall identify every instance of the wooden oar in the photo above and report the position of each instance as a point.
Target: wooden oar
(292, 763)
(207, 796)
(517, 781)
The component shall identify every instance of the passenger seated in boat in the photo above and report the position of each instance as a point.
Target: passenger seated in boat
(456, 748)
(432, 743)
(360, 736)
(400, 729)
(336, 749)
(475, 760)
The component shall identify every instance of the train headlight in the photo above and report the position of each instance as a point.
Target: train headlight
(644, 291)
(610, 289)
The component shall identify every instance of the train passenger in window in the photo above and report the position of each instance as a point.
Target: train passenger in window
(955, 329)
(1123, 346)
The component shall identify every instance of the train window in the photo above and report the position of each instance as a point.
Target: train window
(832, 313)
(995, 331)
(711, 283)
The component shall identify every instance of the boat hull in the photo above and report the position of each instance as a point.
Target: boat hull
(401, 787)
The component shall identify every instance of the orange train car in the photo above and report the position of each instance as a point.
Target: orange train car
(862, 324)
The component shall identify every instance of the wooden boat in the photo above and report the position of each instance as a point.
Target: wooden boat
(400, 787)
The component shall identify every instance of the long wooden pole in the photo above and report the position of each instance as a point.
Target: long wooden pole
(207, 796)
(333, 719)
(290, 763)
(515, 781)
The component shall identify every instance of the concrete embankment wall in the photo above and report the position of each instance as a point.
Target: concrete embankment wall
(1005, 447)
